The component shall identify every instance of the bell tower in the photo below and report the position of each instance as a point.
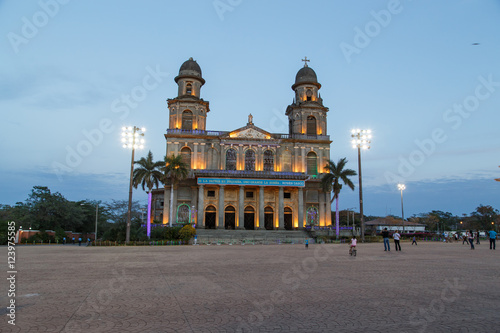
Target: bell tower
(307, 114)
(188, 112)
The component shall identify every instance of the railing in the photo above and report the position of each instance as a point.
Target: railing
(224, 133)
(252, 174)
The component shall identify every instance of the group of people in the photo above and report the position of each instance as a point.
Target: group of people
(79, 241)
(397, 237)
(469, 239)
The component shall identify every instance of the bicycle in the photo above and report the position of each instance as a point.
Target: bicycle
(352, 250)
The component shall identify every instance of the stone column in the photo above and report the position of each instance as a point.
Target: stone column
(195, 156)
(281, 210)
(303, 156)
(220, 224)
(222, 159)
(301, 207)
(295, 167)
(194, 202)
(321, 167)
(202, 162)
(176, 189)
(259, 161)
(321, 207)
(176, 148)
(261, 207)
(241, 208)
(201, 207)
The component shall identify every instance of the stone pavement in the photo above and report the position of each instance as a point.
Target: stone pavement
(432, 287)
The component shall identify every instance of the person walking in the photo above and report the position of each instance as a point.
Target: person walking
(464, 239)
(396, 237)
(471, 239)
(477, 238)
(493, 237)
(385, 236)
(64, 240)
(414, 240)
(307, 243)
(353, 244)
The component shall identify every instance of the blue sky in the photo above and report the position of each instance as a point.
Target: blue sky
(408, 70)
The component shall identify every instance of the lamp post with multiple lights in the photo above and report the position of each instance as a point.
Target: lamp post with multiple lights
(402, 187)
(131, 138)
(361, 139)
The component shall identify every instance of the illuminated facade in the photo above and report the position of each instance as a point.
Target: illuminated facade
(247, 178)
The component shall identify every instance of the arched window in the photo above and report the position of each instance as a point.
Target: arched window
(311, 125)
(287, 160)
(187, 120)
(231, 159)
(249, 160)
(312, 164)
(189, 89)
(268, 160)
(186, 156)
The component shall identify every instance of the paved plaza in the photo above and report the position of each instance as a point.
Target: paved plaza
(432, 287)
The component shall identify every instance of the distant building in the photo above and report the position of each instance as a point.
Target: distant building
(247, 178)
(392, 224)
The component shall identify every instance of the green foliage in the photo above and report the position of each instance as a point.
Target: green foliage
(42, 236)
(4, 232)
(187, 232)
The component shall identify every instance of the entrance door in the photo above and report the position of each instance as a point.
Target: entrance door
(230, 218)
(269, 218)
(288, 219)
(249, 218)
(210, 215)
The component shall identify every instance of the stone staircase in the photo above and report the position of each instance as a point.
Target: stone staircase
(223, 236)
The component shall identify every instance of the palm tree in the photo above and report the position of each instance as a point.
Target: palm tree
(331, 182)
(174, 170)
(148, 174)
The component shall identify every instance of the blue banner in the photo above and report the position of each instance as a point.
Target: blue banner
(249, 182)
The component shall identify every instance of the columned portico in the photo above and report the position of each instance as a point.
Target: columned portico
(241, 208)
(261, 207)
(281, 208)
(201, 206)
(220, 223)
(301, 208)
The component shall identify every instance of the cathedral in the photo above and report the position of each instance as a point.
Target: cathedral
(247, 178)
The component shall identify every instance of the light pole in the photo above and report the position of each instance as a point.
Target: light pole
(402, 187)
(131, 139)
(361, 139)
(96, 212)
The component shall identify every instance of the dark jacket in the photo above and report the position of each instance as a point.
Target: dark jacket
(385, 234)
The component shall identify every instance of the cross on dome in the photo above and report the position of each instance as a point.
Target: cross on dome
(306, 61)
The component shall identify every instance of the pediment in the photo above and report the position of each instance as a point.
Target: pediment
(250, 132)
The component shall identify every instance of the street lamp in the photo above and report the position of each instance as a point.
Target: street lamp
(361, 139)
(402, 187)
(131, 138)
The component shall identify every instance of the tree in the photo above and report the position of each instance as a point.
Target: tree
(149, 175)
(331, 183)
(174, 170)
(484, 216)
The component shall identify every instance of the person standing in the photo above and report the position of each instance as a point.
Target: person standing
(307, 243)
(471, 239)
(73, 240)
(464, 239)
(493, 237)
(64, 240)
(477, 237)
(80, 241)
(414, 240)
(385, 236)
(396, 237)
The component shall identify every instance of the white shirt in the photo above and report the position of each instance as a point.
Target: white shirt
(353, 242)
(396, 236)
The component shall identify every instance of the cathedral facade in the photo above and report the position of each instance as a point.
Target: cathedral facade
(247, 178)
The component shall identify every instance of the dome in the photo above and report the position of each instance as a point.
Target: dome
(190, 68)
(306, 75)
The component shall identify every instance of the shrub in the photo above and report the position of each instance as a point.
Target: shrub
(187, 232)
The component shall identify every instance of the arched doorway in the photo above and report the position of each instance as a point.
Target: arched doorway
(249, 218)
(230, 218)
(186, 156)
(210, 216)
(288, 218)
(183, 214)
(268, 218)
